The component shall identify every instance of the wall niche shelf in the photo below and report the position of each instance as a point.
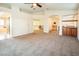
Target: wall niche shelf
(69, 20)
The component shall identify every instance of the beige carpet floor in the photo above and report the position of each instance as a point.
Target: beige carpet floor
(40, 44)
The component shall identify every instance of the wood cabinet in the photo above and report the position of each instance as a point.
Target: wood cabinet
(70, 31)
(74, 32)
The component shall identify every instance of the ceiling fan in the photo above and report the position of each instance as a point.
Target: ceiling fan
(34, 5)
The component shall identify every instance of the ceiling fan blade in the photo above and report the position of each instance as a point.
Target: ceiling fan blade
(34, 4)
(39, 5)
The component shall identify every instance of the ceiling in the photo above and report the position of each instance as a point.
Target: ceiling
(45, 6)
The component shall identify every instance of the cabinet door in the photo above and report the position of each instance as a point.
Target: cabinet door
(68, 32)
(64, 31)
(74, 32)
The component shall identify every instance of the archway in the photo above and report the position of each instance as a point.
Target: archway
(54, 23)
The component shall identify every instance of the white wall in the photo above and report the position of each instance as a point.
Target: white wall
(30, 23)
(21, 22)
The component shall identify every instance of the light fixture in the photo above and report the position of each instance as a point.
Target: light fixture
(34, 5)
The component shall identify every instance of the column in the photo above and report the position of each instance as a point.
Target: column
(60, 26)
(46, 24)
(78, 25)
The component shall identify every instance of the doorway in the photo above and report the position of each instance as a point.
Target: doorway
(54, 23)
(37, 26)
(4, 25)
